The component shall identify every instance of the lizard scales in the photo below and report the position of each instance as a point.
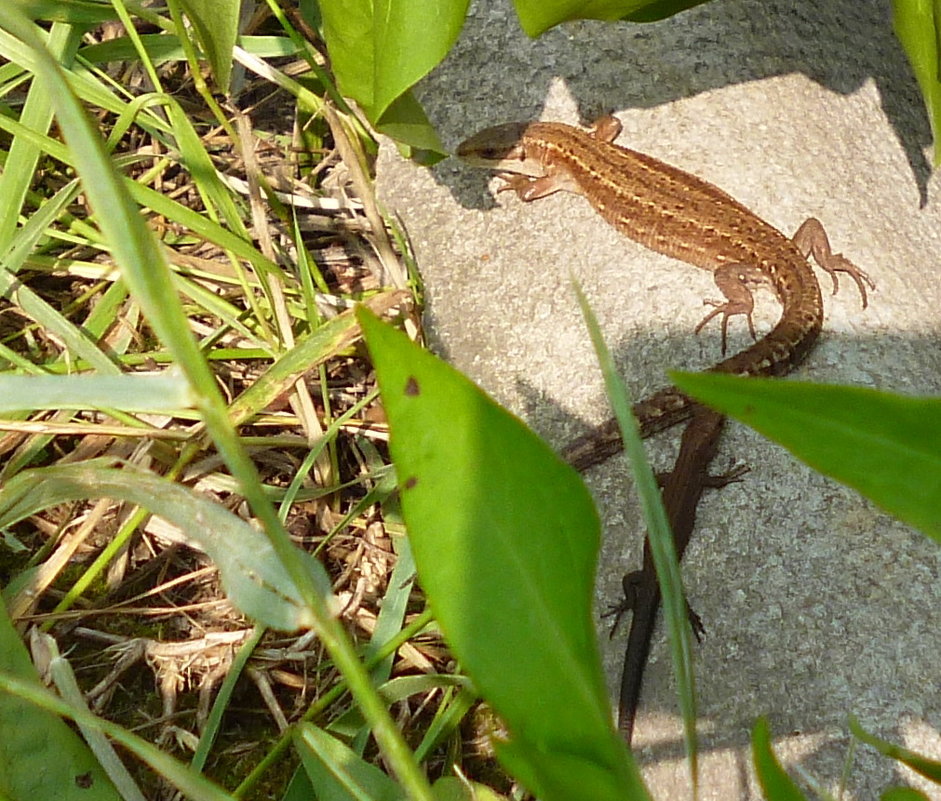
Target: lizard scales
(680, 215)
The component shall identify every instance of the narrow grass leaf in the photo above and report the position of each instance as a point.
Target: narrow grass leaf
(45, 652)
(36, 227)
(161, 47)
(888, 447)
(338, 772)
(83, 83)
(53, 321)
(659, 535)
(929, 768)
(23, 155)
(130, 393)
(323, 343)
(223, 699)
(76, 12)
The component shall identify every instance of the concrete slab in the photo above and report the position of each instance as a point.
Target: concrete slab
(815, 603)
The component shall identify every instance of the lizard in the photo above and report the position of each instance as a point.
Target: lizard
(678, 214)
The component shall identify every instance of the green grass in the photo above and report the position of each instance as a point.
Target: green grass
(178, 343)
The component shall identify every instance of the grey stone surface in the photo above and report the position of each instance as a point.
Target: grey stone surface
(816, 604)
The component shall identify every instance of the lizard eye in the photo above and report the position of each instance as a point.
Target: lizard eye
(514, 152)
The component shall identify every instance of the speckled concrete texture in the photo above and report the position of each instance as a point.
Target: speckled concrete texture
(816, 604)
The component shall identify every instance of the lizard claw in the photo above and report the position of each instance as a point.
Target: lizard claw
(838, 263)
(728, 310)
(629, 585)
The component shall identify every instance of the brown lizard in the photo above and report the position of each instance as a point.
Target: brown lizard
(680, 215)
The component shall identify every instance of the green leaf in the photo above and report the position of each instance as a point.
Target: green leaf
(338, 772)
(661, 9)
(450, 788)
(57, 670)
(405, 121)
(888, 447)
(537, 16)
(216, 24)
(916, 26)
(659, 535)
(76, 12)
(505, 539)
(130, 393)
(40, 756)
(903, 794)
(162, 47)
(557, 775)
(775, 783)
(252, 576)
(379, 50)
(929, 768)
(191, 784)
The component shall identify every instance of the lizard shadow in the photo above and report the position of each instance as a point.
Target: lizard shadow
(779, 572)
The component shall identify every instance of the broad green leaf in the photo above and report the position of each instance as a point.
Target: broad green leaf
(661, 9)
(505, 538)
(775, 783)
(252, 576)
(888, 447)
(916, 25)
(379, 50)
(216, 24)
(40, 756)
(188, 782)
(559, 775)
(406, 122)
(537, 16)
(929, 768)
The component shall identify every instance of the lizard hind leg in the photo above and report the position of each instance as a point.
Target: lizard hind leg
(811, 240)
(735, 282)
